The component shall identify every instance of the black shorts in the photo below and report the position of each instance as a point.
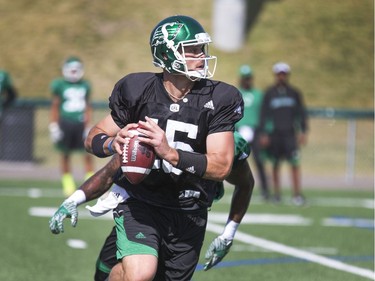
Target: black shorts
(73, 136)
(175, 237)
(284, 146)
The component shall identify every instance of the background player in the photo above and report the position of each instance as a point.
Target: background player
(283, 105)
(248, 125)
(70, 118)
(240, 176)
(189, 120)
(8, 92)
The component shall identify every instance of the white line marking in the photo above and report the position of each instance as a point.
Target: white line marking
(273, 219)
(322, 250)
(34, 193)
(31, 192)
(215, 217)
(348, 222)
(343, 202)
(253, 248)
(76, 243)
(294, 252)
(368, 203)
(47, 212)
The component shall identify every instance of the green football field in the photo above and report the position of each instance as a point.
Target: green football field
(332, 238)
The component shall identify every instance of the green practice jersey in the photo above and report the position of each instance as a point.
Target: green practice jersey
(252, 104)
(5, 81)
(73, 98)
(7, 92)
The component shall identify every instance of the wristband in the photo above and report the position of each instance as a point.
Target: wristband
(110, 147)
(230, 230)
(194, 163)
(97, 144)
(78, 197)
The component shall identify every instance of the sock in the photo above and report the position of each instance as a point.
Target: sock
(68, 184)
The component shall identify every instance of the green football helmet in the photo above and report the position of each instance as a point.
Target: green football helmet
(168, 41)
(72, 69)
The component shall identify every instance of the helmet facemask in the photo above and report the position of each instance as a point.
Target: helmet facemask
(182, 59)
(169, 50)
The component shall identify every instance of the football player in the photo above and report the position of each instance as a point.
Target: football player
(189, 121)
(248, 126)
(8, 92)
(240, 176)
(70, 118)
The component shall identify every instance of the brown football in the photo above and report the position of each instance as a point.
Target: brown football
(137, 159)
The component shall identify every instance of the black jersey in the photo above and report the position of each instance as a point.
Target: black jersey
(283, 106)
(210, 107)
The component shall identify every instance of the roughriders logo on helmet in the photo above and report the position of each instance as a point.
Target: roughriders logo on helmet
(168, 40)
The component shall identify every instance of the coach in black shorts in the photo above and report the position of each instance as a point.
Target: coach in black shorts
(284, 108)
(189, 120)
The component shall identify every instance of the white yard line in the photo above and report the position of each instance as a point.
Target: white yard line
(47, 212)
(264, 219)
(35, 192)
(294, 252)
(368, 203)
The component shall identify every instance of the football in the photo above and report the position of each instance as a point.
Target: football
(137, 159)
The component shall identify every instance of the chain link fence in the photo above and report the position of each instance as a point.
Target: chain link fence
(340, 143)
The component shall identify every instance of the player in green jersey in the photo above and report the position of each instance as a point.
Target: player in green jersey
(7, 91)
(70, 118)
(248, 125)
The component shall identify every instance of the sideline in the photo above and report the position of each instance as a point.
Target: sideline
(294, 252)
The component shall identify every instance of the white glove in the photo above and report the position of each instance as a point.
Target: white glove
(55, 132)
(68, 209)
(219, 248)
(216, 252)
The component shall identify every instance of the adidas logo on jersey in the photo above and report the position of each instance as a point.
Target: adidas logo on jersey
(209, 105)
(190, 170)
(140, 235)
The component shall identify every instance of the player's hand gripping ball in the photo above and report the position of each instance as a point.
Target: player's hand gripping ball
(137, 159)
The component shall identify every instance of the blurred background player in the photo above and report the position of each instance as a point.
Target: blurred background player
(284, 106)
(7, 91)
(70, 117)
(248, 125)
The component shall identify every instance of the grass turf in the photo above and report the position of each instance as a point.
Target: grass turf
(30, 251)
